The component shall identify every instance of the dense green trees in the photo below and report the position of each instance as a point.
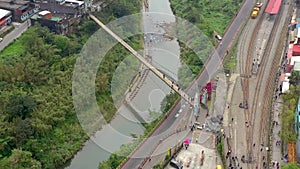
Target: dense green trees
(290, 100)
(36, 102)
(208, 15)
(211, 17)
(38, 125)
(20, 160)
(295, 78)
(119, 8)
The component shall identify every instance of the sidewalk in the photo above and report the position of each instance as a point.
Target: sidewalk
(276, 148)
(233, 124)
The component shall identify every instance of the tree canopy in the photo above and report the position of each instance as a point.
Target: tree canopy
(38, 124)
(290, 166)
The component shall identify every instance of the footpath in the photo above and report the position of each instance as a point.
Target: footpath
(276, 144)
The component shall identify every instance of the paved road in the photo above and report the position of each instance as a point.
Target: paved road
(211, 66)
(19, 29)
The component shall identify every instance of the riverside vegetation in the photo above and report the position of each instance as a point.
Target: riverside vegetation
(38, 124)
(210, 19)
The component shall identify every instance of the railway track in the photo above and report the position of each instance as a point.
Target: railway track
(254, 106)
(269, 87)
(246, 69)
(250, 112)
(266, 57)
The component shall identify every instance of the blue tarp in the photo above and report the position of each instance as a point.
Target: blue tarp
(298, 26)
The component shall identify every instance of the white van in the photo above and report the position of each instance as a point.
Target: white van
(219, 37)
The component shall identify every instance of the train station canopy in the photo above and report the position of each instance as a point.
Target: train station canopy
(273, 6)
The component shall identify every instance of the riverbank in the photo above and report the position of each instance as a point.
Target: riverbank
(120, 155)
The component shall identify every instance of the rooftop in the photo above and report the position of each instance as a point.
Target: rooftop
(57, 19)
(295, 59)
(44, 12)
(273, 6)
(53, 18)
(19, 2)
(289, 68)
(297, 66)
(75, 2)
(296, 49)
(9, 6)
(4, 13)
(285, 87)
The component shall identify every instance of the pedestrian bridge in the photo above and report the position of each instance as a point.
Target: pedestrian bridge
(158, 73)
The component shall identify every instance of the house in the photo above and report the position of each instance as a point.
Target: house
(5, 18)
(68, 7)
(21, 9)
(59, 16)
(58, 23)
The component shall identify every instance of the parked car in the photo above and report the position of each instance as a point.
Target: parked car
(175, 164)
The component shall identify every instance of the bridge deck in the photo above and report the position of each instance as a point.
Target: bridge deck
(170, 83)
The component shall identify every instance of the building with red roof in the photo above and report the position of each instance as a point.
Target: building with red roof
(296, 50)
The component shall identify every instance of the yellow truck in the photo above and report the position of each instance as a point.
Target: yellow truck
(256, 10)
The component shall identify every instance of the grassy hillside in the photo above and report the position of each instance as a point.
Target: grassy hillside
(211, 17)
(208, 15)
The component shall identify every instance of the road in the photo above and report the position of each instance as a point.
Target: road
(19, 29)
(211, 66)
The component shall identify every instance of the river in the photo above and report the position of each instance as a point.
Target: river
(112, 136)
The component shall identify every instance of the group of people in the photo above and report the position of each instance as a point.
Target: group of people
(278, 143)
(275, 164)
